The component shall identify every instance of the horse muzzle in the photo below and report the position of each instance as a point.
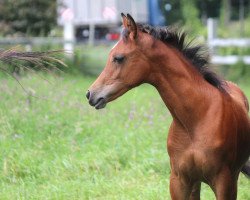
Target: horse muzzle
(95, 101)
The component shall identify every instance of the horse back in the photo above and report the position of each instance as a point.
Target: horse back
(236, 93)
(243, 120)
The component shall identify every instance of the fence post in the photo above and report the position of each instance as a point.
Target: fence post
(211, 32)
(69, 36)
(91, 33)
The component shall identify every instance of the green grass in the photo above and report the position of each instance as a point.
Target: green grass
(58, 147)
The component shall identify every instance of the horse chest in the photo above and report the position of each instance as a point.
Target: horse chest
(188, 159)
(192, 164)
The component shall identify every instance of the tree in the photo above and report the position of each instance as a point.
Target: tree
(209, 9)
(205, 9)
(225, 12)
(30, 17)
(190, 14)
(173, 14)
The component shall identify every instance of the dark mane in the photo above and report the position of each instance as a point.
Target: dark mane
(197, 54)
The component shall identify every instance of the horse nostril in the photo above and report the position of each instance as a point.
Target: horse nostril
(88, 94)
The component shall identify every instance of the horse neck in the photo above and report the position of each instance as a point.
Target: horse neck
(184, 91)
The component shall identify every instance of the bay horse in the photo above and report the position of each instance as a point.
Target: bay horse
(209, 138)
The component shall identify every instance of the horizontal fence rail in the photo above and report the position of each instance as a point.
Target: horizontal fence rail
(217, 42)
(214, 42)
(230, 42)
(34, 41)
(229, 60)
(215, 59)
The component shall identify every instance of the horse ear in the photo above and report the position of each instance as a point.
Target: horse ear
(131, 26)
(124, 20)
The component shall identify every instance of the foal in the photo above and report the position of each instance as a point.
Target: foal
(209, 138)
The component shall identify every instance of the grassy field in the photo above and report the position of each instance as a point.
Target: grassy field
(58, 147)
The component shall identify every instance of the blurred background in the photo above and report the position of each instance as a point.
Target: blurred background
(53, 145)
(89, 28)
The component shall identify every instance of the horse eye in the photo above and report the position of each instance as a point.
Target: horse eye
(118, 59)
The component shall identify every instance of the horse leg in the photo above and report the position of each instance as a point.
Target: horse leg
(179, 189)
(195, 194)
(225, 185)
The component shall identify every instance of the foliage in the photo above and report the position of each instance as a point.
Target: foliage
(185, 14)
(88, 60)
(199, 9)
(31, 17)
(174, 15)
(236, 6)
(238, 72)
(208, 8)
(191, 17)
(58, 147)
(14, 62)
